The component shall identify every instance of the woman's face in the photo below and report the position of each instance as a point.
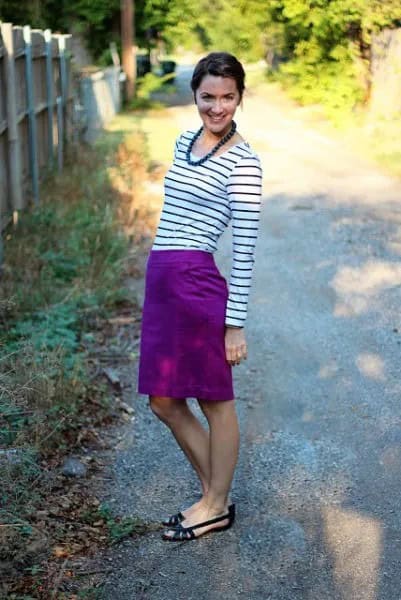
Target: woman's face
(217, 99)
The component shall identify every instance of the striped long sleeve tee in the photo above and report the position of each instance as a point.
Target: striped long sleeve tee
(199, 203)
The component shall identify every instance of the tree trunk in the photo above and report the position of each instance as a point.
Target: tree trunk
(128, 46)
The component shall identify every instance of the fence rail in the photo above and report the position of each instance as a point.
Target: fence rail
(36, 110)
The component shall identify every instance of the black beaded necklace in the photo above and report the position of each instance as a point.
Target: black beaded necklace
(221, 143)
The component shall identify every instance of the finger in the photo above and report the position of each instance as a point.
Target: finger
(232, 353)
(230, 357)
(234, 359)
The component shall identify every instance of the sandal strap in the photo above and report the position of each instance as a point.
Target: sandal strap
(174, 520)
(183, 533)
(209, 522)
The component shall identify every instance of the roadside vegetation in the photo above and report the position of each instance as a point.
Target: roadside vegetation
(320, 51)
(63, 291)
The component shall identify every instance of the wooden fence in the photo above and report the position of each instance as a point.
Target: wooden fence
(36, 111)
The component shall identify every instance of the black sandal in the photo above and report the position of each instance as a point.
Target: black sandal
(176, 519)
(185, 534)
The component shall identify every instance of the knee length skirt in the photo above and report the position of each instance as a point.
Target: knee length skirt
(182, 351)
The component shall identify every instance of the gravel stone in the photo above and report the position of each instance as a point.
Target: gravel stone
(72, 467)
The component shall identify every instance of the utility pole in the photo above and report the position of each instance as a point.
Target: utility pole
(128, 46)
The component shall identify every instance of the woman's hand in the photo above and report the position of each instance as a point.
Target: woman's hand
(235, 343)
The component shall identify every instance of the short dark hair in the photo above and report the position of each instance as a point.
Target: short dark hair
(219, 64)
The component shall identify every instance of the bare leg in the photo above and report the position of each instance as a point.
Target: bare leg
(191, 436)
(224, 444)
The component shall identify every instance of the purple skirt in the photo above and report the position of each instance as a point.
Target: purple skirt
(182, 351)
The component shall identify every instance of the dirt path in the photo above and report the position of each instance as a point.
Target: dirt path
(318, 482)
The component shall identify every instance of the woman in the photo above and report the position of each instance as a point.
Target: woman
(192, 327)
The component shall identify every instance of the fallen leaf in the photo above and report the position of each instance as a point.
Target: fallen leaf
(60, 552)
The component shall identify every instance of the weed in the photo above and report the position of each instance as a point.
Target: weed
(63, 270)
(90, 593)
(121, 527)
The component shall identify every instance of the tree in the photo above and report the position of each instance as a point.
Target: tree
(324, 45)
(328, 46)
(127, 46)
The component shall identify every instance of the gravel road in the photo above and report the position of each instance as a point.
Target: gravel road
(319, 476)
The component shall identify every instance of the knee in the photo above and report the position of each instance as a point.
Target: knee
(218, 411)
(167, 410)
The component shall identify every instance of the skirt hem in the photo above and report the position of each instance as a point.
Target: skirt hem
(178, 394)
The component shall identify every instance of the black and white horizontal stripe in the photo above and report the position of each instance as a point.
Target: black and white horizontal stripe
(199, 203)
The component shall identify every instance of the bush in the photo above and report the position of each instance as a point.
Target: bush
(333, 84)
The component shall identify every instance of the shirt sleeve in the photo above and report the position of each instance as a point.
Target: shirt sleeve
(176, 146)
(244, 190)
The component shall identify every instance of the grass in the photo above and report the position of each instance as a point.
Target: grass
(63, 267)
(375, 138)
(380, 138)
(63, 275)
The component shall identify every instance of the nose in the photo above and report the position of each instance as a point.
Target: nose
(217, 107)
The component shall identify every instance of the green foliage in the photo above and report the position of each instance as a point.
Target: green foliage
(118, 528)
(63, 266)
(334, 84)
(97, 20)
(20, 470)
(245, 27)
(237, 27)
(91, 593)
(326, 48)
(323, 47)
(95, 11)
(148, 85)
(71, 255)
(41, 395)
(48, 330)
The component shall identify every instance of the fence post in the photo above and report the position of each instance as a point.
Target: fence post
(1, 247)
(62, 101)
(31, 113)
(63, 77)
(49, 93)
(60, 133)
(14, 155)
